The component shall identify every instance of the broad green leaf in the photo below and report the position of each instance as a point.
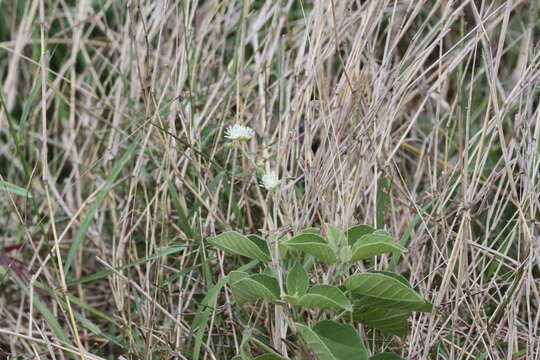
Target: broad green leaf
(260, 242)
(336, 237)
(393, 275)
(311, 230)
(393, 304)
(270, 357)
(372, 245)
(283, 250)
(14, 189)
(344, 254)
(392, 321)
(386, 291)
(245, 351)
(315, 343)
(342, 340)
(331, 340)
(386, 356)
(378, 303)
(313, 245)
(326, 296)
(293, 300)
(255, 287)
(236, 275)
(297, 280)
(354, 233)
(236, 243)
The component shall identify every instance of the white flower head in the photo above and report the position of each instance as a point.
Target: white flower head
(239, 132)
(270, 181)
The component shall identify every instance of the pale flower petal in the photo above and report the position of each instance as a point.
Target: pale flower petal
(239, 132)
(270, 181)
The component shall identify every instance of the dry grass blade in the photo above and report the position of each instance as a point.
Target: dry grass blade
(422, 116)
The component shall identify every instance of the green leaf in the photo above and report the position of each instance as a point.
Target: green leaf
(342, 340)
(245, 351)
(270, 357)
(392, 321)
(387, 292)
(293, 300)
(331, 340)
(233, 242)
(236, 275)
(344, 254)
(336, 237)
(386, 356)
(297, 280)
(311, 230)
(255, 287)
(313, 245)
(392, 304)
(382, 201)
(372, 245)
(326, 296)
(315, 343)
(354, 233)
(14, 189)
(393, 275)
(260, 242)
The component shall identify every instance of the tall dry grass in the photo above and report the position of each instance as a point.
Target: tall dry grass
(114, 168)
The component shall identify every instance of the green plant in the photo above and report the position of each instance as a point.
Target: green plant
(378, 299)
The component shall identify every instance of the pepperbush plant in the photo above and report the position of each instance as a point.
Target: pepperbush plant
(377, 299)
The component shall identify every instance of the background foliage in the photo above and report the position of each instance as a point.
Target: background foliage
(421, 117)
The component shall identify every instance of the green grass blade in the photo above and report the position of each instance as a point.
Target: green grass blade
(105, 273)
(14, 189)
(46, 313)
(205, 310)
(99, 199)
